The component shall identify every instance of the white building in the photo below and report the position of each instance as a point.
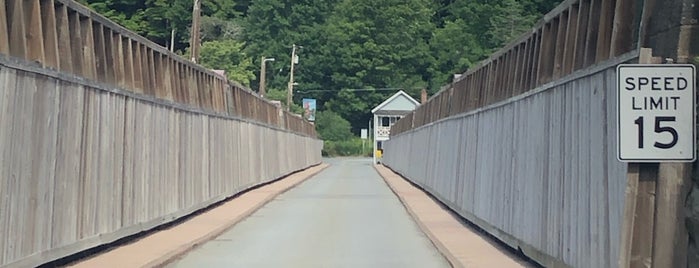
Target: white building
(387, 113)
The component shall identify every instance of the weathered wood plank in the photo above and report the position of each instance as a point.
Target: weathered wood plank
(4, 32)
(622, 35)
(606, 20)
(592, 33)
(560, 46)
(16, 28)
(88, 49)
(7, 180)
(34, 32)
(100, 52)
(63, 32)
(670, 231)
(50, 36)
(581, 34)
(68, 155)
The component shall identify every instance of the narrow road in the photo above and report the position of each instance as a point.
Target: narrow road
(345, 216)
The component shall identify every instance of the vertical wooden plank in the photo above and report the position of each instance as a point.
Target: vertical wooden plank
(592, 33)
(34, 34)
(537, 49)
(571, 42)
(48, 13)
(157, 72)
(44, 139)
(606, 21)
(128, 56)
(6, 115)
(546, 59)
(167, 75)
(137, 67)
(88, 48)
(671, 238)
(76, 41)
(193, 89)
(581, 34)
(16, 29)
(642, 242)
(177, 87)
(100, 57)
(622, 37)
(63, 30)
(110, 49)
(152, 75)
(4, 37)
(146, 61)
(68, 157)
(119, 60)
(560, 45)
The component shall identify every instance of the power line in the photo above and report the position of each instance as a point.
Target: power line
(355, 89)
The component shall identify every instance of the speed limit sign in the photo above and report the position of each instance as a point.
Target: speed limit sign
(656, 113)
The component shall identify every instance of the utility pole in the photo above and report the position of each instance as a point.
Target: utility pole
(290, 86)
(263, 73)
(194, 41)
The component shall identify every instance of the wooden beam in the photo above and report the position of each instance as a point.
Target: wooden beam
(606, 20)
(642, 247)
(623, 29)
(100, 54)
(48, 13)
(671, 238)
(4, 37)
(76, 42)
(88, 48)
(560, 46)
(581, 34)
(571, 40)
(128, 56)
(63, 27)
(34, 33)
(16, 27)
(139, 84)
(119, 74)
(592, 33)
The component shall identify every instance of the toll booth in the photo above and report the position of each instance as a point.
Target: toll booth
(386, 114)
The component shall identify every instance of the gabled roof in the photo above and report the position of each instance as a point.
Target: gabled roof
(392, 98)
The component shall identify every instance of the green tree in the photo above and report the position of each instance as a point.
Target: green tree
(332, 127)
(228, 55)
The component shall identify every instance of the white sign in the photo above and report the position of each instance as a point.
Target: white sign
(364, 133)
(656, 113)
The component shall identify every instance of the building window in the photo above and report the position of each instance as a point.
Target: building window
(385, 121)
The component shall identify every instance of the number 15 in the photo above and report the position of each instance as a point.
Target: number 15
(658, 129)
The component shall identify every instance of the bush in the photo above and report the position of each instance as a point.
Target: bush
(348, 147)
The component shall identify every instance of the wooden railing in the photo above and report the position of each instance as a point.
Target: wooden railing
(572, 37)
(66, 36)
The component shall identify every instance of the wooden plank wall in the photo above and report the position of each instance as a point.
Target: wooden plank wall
(548, 118)
(539, 172)
(575, 35)
(83, 165)
(66, 36)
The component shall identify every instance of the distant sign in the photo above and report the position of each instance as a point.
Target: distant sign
(309, 109)
(364, 133)
(656, 113)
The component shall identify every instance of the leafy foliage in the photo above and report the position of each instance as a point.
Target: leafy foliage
(347, 44)
(227, 55)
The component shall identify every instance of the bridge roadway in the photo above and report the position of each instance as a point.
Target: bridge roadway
(346, 216)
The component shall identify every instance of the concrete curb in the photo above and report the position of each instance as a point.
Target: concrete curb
(163, 257)
(427, 231)
(172, 256)
(459, 244)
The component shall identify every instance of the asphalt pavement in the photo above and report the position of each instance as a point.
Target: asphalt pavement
(346, 216)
